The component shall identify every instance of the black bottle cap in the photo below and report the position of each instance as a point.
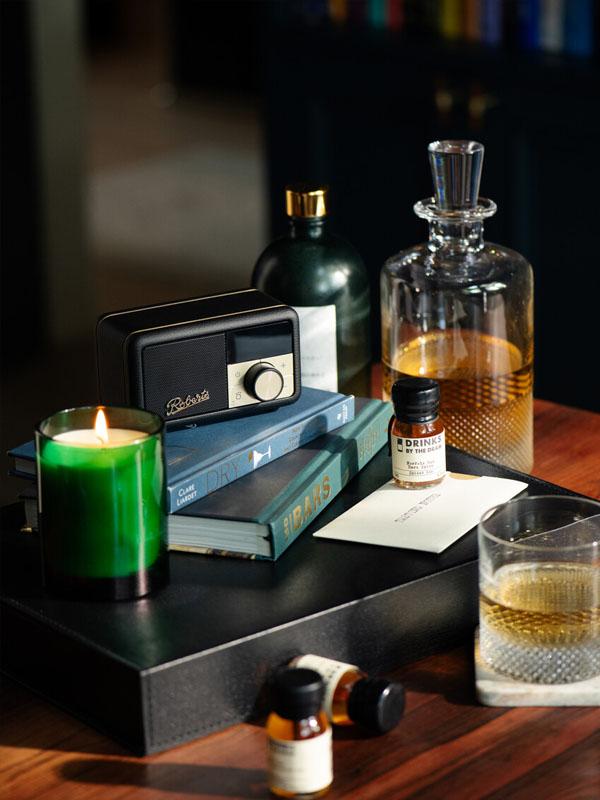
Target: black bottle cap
(376, 703)
(416, 399)
(297, 693)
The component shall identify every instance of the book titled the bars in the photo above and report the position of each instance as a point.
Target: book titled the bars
(263, 513)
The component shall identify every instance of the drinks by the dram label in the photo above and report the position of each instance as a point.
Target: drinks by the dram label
(422, 458)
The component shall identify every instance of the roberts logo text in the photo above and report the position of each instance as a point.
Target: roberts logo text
(178, 404)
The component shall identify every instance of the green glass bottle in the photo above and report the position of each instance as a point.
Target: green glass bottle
(324, 278)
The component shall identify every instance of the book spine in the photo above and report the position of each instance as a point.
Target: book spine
(473, 20)
(450, 19)
(491, 22)
(322, 487)
(377, 13)
(579, 27)
(395, 15)
(236, 465)
(338, 11)
(551, 33)
(528, 14)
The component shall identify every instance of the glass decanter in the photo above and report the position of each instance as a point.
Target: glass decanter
(460, 310)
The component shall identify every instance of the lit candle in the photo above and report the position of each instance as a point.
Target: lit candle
(100, 435)
(102, 502)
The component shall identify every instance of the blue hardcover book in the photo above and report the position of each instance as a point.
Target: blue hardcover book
(263, 513)
(205, 458)
(22, 460)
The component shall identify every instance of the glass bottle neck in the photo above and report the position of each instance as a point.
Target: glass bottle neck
(455, 238)
(306, 227)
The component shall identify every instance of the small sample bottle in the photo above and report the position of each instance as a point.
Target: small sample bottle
(299, 736)
(417, 442)
(352, 697)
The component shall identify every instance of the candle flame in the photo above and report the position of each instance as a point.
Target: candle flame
(101, 427)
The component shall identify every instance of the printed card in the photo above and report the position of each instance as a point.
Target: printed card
(421, 519)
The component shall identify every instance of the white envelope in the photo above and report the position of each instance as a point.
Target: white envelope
(421, 519)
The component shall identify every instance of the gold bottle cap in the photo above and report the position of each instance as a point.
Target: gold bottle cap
(303, 200)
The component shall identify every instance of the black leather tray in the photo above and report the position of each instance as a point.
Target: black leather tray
(194, 658)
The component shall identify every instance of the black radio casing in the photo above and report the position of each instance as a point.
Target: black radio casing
(188, 360)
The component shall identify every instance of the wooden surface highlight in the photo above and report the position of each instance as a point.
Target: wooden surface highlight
(447, 746)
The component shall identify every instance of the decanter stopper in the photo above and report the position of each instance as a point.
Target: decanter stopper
(456, 169)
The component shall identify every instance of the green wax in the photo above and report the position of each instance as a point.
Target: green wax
(102, 509)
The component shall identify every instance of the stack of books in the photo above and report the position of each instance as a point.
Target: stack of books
(249, 487)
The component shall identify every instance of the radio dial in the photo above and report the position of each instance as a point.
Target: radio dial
(263, 381)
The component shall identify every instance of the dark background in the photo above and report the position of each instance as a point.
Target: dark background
(145, 146)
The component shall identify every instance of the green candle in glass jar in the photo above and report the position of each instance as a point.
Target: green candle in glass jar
(101, 474)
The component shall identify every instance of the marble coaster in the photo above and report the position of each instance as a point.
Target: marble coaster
(493, 689)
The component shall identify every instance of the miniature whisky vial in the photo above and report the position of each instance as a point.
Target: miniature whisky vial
(299, 736)
(352, 697)
(417, 442)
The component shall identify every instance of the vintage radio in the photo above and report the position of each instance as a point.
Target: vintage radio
(201, 359)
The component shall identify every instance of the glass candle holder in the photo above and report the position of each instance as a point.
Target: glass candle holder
(539, 579)
(102, 502)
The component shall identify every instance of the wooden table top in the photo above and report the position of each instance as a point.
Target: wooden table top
(447, 746)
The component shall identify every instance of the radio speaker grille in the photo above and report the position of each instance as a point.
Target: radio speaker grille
(186, 377)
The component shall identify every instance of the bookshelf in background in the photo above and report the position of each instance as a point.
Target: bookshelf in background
(353, 102)
(553, 26)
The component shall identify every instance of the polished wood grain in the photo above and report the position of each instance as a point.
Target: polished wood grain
(447, 746)
(567, 447)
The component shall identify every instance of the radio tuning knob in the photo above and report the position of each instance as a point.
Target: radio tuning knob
(263, 381)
